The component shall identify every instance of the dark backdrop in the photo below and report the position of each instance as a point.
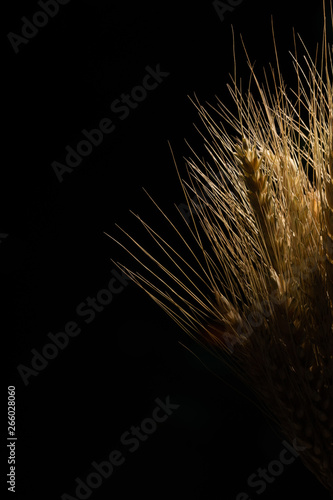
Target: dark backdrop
(73, 410)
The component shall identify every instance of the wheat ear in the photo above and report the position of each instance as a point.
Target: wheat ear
(255, 278)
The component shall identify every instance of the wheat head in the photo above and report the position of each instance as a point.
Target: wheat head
(259, 284)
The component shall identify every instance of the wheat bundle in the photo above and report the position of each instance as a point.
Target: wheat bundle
(263, 292)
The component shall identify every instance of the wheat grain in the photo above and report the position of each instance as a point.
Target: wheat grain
(264, 232)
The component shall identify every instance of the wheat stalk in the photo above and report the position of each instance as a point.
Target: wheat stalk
(256, 282)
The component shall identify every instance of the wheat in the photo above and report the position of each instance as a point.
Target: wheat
(258, 285)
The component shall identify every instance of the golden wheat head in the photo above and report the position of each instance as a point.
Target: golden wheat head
(258, 283)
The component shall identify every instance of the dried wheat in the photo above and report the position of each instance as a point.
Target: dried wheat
(261, 284)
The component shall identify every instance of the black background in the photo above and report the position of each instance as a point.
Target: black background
(56, 255)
